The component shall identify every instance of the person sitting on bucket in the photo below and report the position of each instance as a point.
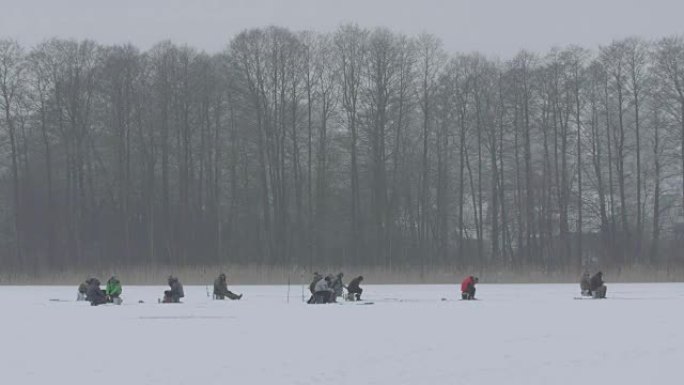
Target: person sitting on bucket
(82, 291)
(95, 295)
(354, 289)
(337, 286)
(221, 289)
(597, 286)
(585, 284)
(176, 293)
(113, 290)
(316, 277)
(468, 287)
(312, 286)
(323, 293)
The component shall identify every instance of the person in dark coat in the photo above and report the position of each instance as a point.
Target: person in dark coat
(312, 286)
(337, 286)
(585, 285)
(221, 289)
(82, 291)
(468, 287)
(597, 286)
(354, 289)
(176, 293)
(95, 295)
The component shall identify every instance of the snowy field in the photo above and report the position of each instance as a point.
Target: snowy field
(516, 334)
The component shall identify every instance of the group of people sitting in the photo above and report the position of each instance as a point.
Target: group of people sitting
(90, 291)
(327, 289)
(593, 286)
(221, 291)
(590, 286)
(323, 289)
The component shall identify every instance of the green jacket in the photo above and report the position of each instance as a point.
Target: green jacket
(113, 288)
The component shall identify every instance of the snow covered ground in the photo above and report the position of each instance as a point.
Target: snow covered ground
(517, 334)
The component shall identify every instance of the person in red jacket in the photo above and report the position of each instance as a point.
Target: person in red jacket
(468, 287)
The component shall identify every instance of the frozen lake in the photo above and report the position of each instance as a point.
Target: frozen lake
(517, 334)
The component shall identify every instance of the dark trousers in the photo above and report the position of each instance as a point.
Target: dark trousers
(356, 291)
(169, 298)
(470, 294)
(320, 297)
(228, 294)
(600, 292)
(110, 298)
(99, 300)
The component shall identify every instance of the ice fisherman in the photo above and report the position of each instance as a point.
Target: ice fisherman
(95, 295)
(354, 289)
(113, 290)
(337, 286)
(176, 293)
(316, 277)
(585, 284)
(597, 286)
(468, 287)
(312, 286)
(323, 293)
(82, 291)
(221, 289)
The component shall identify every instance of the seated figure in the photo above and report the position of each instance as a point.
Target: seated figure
(585, 285)
(114, 290)
(221, 289)
(176, 293)
(597, 286)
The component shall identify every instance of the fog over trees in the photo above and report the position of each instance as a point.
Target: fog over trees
(362, 148)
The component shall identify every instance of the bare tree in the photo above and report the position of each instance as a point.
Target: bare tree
(354, 149)
(12, 67)
(351, 49)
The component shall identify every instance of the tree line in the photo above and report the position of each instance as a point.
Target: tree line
(361, 147)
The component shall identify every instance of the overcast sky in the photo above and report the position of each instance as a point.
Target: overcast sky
(493, 27)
